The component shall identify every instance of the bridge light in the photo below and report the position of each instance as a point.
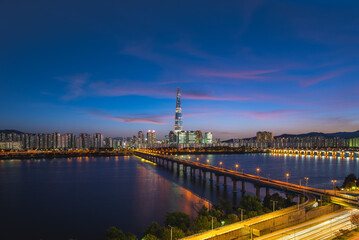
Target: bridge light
(258, 170)
(287, 176)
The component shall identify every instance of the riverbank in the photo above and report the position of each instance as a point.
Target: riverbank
(62, 154)
(199, 151)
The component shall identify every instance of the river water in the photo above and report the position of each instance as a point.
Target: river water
(81, 197)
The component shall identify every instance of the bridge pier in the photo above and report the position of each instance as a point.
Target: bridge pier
(258, 191)
(191, 171)
(211, 177)
(204, 176)
(234, 185)
(243, 186)
(225, 181)
(199, 173)
(184, 169)
(267, 191)
(178, 167)
(217, 180)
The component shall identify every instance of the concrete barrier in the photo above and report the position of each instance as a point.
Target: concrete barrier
(294, 218)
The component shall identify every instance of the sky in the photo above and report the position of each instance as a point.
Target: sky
(242, 66)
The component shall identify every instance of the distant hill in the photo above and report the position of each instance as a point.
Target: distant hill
(311, 134)
(320, 134)
(7, 131)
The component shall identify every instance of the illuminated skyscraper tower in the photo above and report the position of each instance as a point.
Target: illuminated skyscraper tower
(178, 115)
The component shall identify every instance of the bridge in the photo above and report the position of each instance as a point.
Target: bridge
(319, 153)
(215, 173)
(263, 224)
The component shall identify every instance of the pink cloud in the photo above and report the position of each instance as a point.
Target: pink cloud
(75, 85)
(256, 74)
(137, 120)
(159, 119)
(205, 96)
(266, 115)
(325, 77)
(154, 90)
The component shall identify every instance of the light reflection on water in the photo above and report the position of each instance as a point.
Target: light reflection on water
(87, 195)
(320, 170)
(82, 197)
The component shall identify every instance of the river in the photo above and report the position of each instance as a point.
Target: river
(81, 197)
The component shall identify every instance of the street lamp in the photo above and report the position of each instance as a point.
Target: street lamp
(306, 181)
(334, 181)
(236, 167)
(220, 164)
(258, 170)
(171, 230)
(287, 176)
(274, 204)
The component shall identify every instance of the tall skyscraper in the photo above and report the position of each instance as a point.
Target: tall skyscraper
(178, 115)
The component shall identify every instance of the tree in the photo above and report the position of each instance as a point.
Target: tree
(231, 218)
(203, 211)
(178, 219)
(177, 233)
(280, 202)
(153, 229)
(348, 179)
(225, 206)
(150, 237)
(130, 236)
(114, 233)
(251, 203)
(350, 185)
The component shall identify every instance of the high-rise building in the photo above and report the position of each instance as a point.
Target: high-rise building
(178, 114)
(151, 136)
(264, 136)
(208, 137)
(191, 137)
(182, 137)
(172, 137)
(141, 137)
(199, 137)
(85, 141)
(98, 140)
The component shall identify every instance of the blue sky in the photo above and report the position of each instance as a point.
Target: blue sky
(242, 66)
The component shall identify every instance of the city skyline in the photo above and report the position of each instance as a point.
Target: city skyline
(251, 66)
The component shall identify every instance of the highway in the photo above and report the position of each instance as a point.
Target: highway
(239, 225)
(325, 227)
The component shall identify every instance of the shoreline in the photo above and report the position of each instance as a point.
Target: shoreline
(61, 155)
(68, 154)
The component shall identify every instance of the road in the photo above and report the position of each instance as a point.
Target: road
(239, 225)
(326, 227)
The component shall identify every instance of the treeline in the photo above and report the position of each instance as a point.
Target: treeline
(220, 214)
